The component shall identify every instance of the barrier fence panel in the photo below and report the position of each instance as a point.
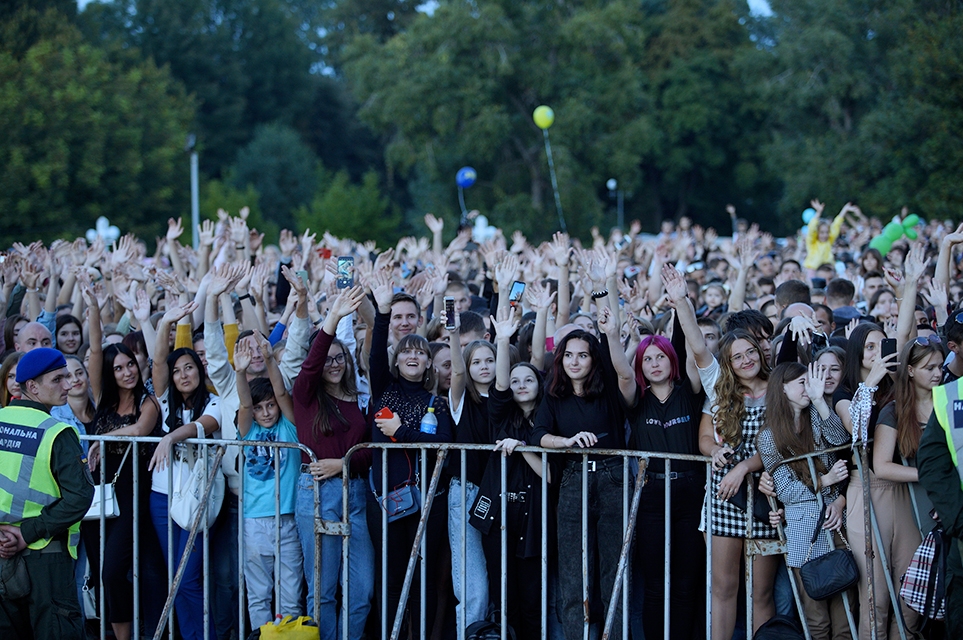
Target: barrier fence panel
(392, 622)
(200, 526)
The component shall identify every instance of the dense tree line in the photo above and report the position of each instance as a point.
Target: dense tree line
(371, 106)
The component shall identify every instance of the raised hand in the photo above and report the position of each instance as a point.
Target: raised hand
(287, 243)
(607, 323)
(174, 229)
(674, 284)
(539, 296)
(297, 285)
(175, 313)
(243, 354)
(384, 259)
(561, 248)
(817, 205)
(435, 225)
(815, 382)
(347, 302)
(141, 306)
(802, 329)
(223, 278)
(238, 231)
(936, 295)
(518, 242)
(915, 263)
(382, 288)
(506, 272)
(505, 326)
(205, 233)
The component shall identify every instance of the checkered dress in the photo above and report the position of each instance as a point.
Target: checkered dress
(727, 520)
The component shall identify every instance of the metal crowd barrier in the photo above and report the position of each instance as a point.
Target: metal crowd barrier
(874, 545)
(429, 489)
(201, 524)
(629, 510)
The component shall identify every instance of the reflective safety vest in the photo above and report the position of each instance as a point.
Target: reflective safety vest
(27, 483)
(948, 406)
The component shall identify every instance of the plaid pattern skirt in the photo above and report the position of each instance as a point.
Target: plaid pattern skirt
(727, 520)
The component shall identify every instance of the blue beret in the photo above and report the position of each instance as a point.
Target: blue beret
(37, 362)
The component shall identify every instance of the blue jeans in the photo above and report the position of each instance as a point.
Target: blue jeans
(189, 601)
(476, 582)
(360, 554)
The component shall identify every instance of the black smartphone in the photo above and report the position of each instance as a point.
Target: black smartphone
(820, 342)
(345, 278)
(818, 283)
(449, 313)
(515, 295)
(887, 347)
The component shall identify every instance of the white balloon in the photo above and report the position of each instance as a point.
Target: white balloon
(91, 235)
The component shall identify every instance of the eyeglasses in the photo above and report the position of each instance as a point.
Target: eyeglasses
(330, 360)
(739, 358)
(933, 339)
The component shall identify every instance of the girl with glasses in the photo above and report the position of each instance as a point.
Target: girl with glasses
(330, 420)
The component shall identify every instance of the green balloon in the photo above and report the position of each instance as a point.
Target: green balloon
(911, 221)
(911, 233)
(893, 231)
(881, 243)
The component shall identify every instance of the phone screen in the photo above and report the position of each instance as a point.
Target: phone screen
(345, 278)
(887, 347)
(515, 295)
(449, 313)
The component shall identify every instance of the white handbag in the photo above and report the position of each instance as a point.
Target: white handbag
(189, 477)
(105, 496)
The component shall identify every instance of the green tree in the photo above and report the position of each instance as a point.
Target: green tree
(85, 136)
(281, 168)
(358, 211)
(243, 60)
(649, 95)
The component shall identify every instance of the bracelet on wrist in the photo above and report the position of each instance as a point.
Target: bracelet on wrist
(246, 296)
(33, 290)
(599, 294)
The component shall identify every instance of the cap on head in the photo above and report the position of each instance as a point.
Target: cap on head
(844, 315)
(37, 362)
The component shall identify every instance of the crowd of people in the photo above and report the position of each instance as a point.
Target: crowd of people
(746, 350)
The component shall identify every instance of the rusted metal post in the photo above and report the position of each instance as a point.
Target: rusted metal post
(626, 546)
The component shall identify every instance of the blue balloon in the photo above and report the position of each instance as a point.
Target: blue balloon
(808, 214)
(465, 177)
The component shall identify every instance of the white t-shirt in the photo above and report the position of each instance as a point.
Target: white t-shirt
(158, 480)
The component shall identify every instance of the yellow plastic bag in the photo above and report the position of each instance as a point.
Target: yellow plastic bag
(291, 629)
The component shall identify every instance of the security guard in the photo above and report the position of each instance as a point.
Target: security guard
(941, 471)
(45, 490)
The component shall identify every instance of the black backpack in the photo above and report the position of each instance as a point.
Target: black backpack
(488, 630)
(779, 628)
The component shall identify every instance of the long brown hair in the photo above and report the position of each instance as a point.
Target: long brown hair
(908, 430)
(469, 353)
(730, 391)
(328, 406)
(792, 436)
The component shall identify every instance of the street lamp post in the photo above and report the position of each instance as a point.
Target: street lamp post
(191, 148)
(616, 193)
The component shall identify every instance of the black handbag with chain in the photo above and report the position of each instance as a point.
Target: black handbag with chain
(829, 574)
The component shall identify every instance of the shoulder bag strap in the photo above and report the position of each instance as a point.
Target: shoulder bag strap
(122, 461)
(819, 524)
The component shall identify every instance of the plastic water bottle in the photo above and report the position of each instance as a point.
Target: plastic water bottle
(429, 424)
